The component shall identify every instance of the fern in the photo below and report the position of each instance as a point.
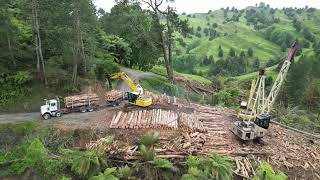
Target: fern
(163, 163)
(265, 171)
(147, 154)
(108, 174)
(212, 166)
(150, 139)
(84, 164)
(192, 161)
(125, 172)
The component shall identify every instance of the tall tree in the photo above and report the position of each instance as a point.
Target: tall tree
(136, 26)
(171, 24)
(37, 41)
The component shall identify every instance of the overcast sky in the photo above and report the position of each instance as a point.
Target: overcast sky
(202, 6)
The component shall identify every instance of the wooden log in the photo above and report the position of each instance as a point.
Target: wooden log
(134, 119)
(124, 118)
(125, 124)
(111, 124)
(118, 117)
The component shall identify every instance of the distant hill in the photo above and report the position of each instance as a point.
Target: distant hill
(269, 32)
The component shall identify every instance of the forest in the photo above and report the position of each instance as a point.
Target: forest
(56, 48)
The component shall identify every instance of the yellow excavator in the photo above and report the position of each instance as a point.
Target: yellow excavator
(135, 96)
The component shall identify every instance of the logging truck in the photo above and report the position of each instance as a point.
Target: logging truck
(79, 103)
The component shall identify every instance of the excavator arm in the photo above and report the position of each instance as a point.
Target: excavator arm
(135, 96)
(123, 76)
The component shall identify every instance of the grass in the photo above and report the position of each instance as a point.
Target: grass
(162, 70)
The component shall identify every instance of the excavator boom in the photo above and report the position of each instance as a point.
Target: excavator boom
(135, 96)
(134, 87)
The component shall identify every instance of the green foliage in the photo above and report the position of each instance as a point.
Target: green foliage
(186, 63)
(162, 163)
(109, 173)
(125, 172)
(265, 171)
(13, 85)
(23, 157)
(228, 97)
(105, 67)
(302, 87)
(84, 164)
(148, 154)
(212, 166)
(130, 22)
(150, 139)
(117, 47)
(250, 51)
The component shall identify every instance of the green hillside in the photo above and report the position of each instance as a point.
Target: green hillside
(269, 32)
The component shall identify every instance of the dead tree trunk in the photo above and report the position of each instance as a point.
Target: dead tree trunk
(10, 51)
(37, 40)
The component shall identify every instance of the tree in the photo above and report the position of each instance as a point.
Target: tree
(308, 35)
(250, 51)
(256, 63)
(214, 25)
(37, 41)
(242, 54)
(172, 23)
(220, 51)
(137, 27)
(316, 49)
(198, 28)
(297, 24)
(232, 52)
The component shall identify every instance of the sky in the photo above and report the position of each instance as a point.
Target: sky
(203, 6)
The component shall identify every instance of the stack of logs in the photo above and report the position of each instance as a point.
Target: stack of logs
(113, 95)
(156, 118)
(161, 99)
(187, 121)
(81, 100)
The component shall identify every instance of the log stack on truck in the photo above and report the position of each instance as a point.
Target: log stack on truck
(77, 103)
(114, 97)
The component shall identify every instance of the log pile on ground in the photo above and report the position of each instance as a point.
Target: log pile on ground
(189, 122)
(161, 99)
(244, 167)
(156, 118)
(81, 100)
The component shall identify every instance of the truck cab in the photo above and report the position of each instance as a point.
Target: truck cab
(50, 109)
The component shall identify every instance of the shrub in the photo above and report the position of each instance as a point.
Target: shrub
(228, 97)
(212, 166)
(266, 172)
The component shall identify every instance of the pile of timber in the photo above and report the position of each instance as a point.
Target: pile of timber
(190, 122)
(81, 100)
(161, 99)
(244, 167)
(156, 118)
(113, 95)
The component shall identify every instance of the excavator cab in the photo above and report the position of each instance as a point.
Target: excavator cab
(132, 97)
(263, 120)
